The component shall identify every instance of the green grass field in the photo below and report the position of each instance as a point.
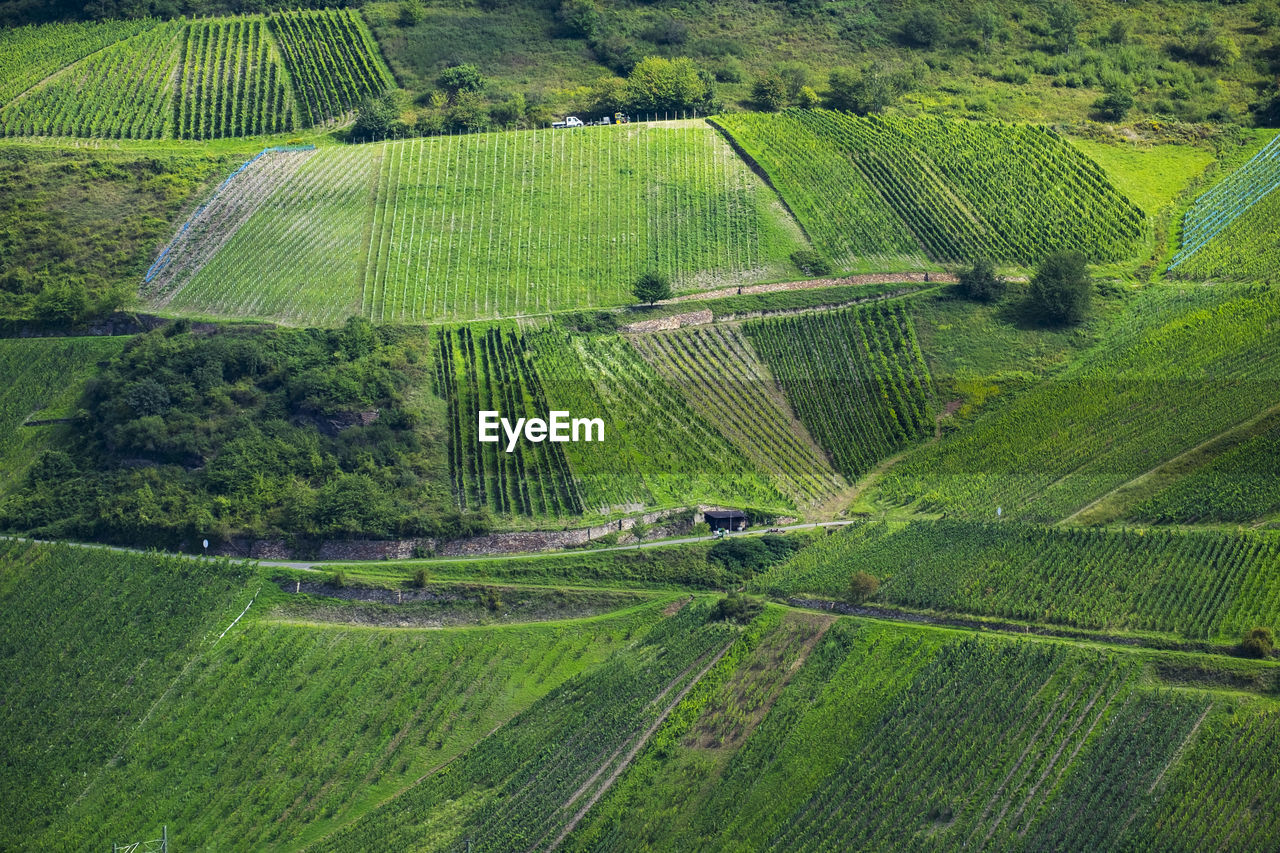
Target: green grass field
(494, 225)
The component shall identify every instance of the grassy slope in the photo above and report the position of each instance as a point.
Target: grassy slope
(89, 641)
(43, 381)
(240, 758)
(1177, 368)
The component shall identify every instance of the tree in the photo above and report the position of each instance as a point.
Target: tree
(922, 27)
(581, 18)
(411, 13)
(461, 78)
(1258, 643)
(468, 113)
(980, 282)
(652, 287)
(376, 117)
(1217, 49)
(736, 608)
(769, 92)
(667, 85)
(1061, 289)
(861, 587)
(1064, 19)
(606, 96)
(985, 23)
(1114, 105)
(860, 92)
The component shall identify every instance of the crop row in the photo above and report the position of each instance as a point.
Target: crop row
(1246, 249)
(124, 91)
(718, 372)
(956, 190)
(331, 59)
(500, 225)
(32, 53)
(489, 370)
(518, 788)
(1201, 584)
(1213, 213)
(984, 732)
(855, 378)
(1178, 368)
(230, 84)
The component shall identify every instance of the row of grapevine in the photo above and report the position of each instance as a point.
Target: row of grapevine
(284, 728)
(719, 373)
(30, 54)
(1180, 367)
(489, 370)
(681, 457)
(1213, 213)
(1240, 485)
(90, 638)
(1195, 584)
(230, 83)
(331, 59)
(518, 788)
(508, 224)
(297, 256)
(958, 190)
(855, 378)
(1247, 249)
(964, 758)
(204, 79)
(124, 91)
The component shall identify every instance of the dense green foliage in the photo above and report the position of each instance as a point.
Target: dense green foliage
(1201, 584)
(1061, 290)
(1177, 368)
(43, 380)
(855, 378)
(235, 756)
(77, 227)
(980, 282)
(310, 433)
(331, 59)
(954, 190)
(489, 225)
(718, 372)
(1239, 485)
(90, 639)
(488, 370)
(230, 83)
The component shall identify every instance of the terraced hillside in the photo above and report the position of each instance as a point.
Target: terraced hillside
(1179, 367)
(879, 191)
(204, 79)
(489, 225)
(1190, 584)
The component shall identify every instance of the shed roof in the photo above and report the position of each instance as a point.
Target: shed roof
(724, 513)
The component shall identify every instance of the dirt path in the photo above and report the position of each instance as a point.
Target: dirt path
(1134, 484)
(632, 753)
(815, 284)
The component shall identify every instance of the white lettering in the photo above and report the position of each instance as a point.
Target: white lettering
(512, 434)
(488, 427)
(559, 426)
(535, 430)
(589, 424)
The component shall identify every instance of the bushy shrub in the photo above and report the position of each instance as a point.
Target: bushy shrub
(1258, 643)
(980, 282)
(862, 586)
(810, 262)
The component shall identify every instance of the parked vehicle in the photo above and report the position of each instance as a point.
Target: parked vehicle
(570, 121)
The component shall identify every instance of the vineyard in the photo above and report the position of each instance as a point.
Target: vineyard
(125, 626)
(124, 91)
(855, 378)
(42, 381)
(656, 445)
(1197, 585)
(236, 758)
(332, 60)
(1178, 368)
(718, 372)
(231, 83)
(953, 190)
(577, 733)
(488, 369)
(1209, 225)
(204, 79)
(1248, 249)
(287, 245)
(1240, 485)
